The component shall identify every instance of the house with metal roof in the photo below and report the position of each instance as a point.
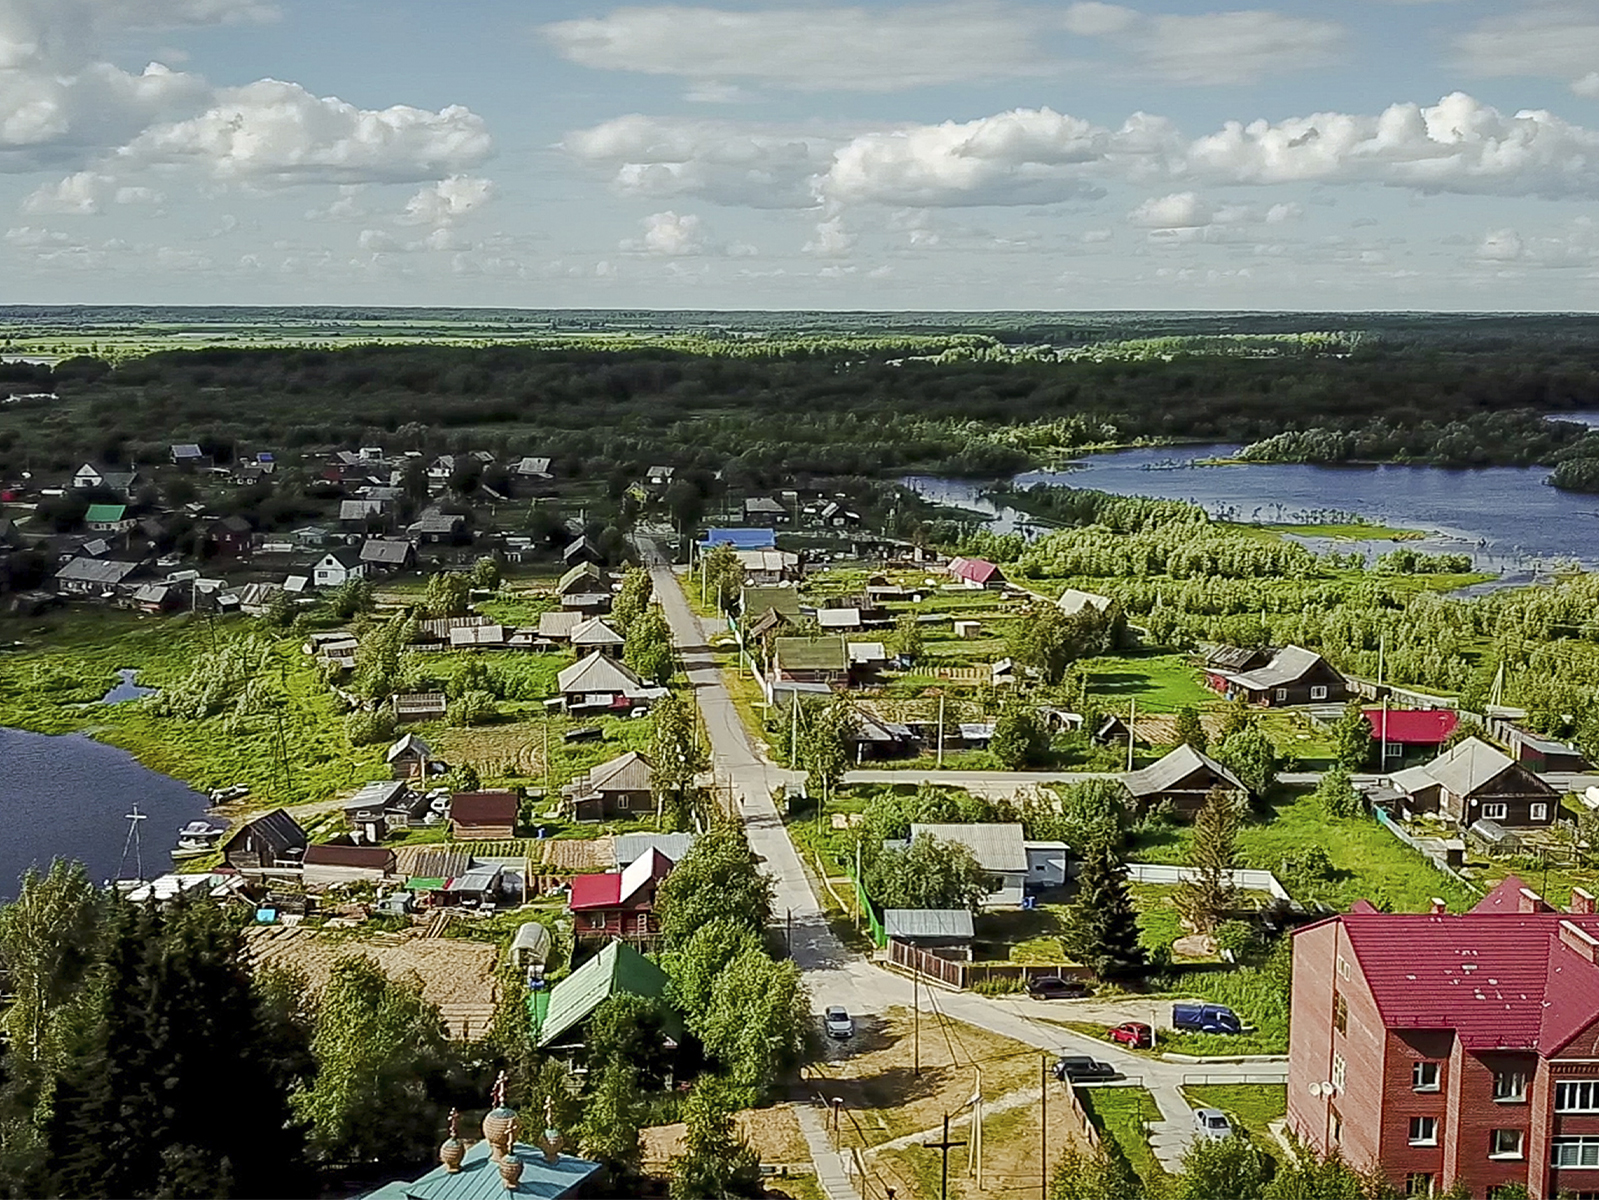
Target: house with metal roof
(619, 904)
(420, 706)
(484, 816)
(338, 567)
(622, 787)
(387, 554)
(436, 526)
(1293, 676)
(1451, 1050)
(273, 839)
(1402, 733)
(558, 626)
(1073, 600)
(617, 969)
(531, 468)
(328, 865)
(487, 636)
(763, 510)
(810, 660)
(1183, 779)
(999, 850)
(946, 932)
(188, 454)
(409, 756)
(359, 512)
(1477, 782)
(93, 576)
(756, 599)
(630, 847)
(499, 1166)
(739, 539)
(975, 573)
(600, 682)
(108, 518)
(595, 634)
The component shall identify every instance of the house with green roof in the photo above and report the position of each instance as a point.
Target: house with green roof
(810, 660)
(108, 518)
(616, 970)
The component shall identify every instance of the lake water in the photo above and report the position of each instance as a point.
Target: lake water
(1506, 518)
(128, 688)
(67, 797)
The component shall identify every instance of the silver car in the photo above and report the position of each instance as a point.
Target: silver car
(1212, 1123)
(837, 1022)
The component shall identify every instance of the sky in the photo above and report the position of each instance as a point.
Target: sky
(1370, 154)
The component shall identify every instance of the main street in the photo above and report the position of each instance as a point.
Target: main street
(835, 975)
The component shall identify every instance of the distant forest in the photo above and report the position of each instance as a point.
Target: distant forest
(1453, 392)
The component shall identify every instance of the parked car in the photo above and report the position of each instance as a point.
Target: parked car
(838, 1022)
(1133, 1033)
(1212, 1123)
(1079, 1067)
(1053, 987)
(1205, 1018)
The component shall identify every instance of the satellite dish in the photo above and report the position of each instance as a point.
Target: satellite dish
(1315, 1089)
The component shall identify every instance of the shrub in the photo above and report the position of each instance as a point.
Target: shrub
(1007, 985)
(367, 728)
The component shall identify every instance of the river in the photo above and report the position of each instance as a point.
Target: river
(68, 797)
(1506, 518)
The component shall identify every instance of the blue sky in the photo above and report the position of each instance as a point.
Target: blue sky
(1376, 154)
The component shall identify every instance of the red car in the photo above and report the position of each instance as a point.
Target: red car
(1133, 1033)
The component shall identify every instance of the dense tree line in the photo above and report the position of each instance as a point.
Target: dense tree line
(772, 417)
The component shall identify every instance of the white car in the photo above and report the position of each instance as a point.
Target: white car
(838, 1022)
(1212, 1123)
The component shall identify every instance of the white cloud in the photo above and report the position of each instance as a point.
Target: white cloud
(1229, 47)
(447, 201)
(1181, 210)
(274, 132)
(720, 161)
(1548, 41)
(1093, 19)
(139, 195)
(853, 49)
(1094, 237)
(832, 240)
(669, 235)
(1501, 245)
(31, 237)
(80, 194)
(1278, 214)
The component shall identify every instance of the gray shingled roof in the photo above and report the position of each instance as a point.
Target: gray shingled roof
(1287, 666)
(95, 570)
(1469, 766)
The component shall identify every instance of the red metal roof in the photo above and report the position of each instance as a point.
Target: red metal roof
(1414, 726)
(975, 569)
(596, 891)
(1485, 975)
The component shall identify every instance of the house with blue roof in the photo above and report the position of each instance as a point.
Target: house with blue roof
(740, 539)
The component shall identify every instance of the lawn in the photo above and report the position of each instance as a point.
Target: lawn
(1367, 862)
(1157, 682)
(1123, 1113)
(1251, 1107)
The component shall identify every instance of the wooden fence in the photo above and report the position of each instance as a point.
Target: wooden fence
(966, 975)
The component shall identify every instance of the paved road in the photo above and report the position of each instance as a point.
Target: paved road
(833, 974)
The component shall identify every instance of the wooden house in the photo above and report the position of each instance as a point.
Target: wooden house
(598, 682)
(420, 706)
(976, 573)
(617, 970)
(108, 518)
(1183, 779)
(338, 567)
(595, 636)
(484, 816)
(945, 932)
(619, 904)
(230, 537)
(623, 787)
(1477, 782)
(810, 660)
(408, 757)
(582, 550)
(387, 554)
(1293, 676)
(273, 839)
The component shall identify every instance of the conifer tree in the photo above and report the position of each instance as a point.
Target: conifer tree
(1208, 894)
(1101, 923)
(1190, 730)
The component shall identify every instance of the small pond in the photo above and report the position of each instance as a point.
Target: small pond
(68, 797)
(127, 688)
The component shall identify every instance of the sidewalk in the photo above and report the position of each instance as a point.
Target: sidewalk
(831, 1167)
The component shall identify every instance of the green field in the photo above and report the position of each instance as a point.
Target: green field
(1123, 1112)
(1157, 682)
(1251, 1107)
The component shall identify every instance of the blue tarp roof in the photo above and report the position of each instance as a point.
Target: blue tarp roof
(740, 539)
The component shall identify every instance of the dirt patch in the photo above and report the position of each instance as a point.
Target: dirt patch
(457, 975)
(495, 750)
(1161, 729)
(773, 1132)
(890, 1112)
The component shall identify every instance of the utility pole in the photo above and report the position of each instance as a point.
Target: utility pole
(916, 1027)
(283, 755)
(1132, 722)
(1382, 655)
(1043, 1126)
(945, 1145)
(974, 1160)
(858, 885)
(941, 731)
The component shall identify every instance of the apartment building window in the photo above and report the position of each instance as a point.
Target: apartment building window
(1424, 1077)
(1340, 1013)
(1423, 1131)
(1577, 1095)
(1495, 812)
(1510, 1086)
(1340, 1070)
(1538, 812)
(1506, 1143)
(1575, 1152)
(1418, 1183)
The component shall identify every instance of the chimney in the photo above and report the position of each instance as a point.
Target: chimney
(1581, 902)
(1584, 943)
(1529, 901)
(1439, 908)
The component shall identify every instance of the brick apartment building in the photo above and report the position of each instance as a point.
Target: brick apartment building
(1453, 1047)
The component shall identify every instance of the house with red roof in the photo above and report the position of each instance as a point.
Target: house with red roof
(1409, 733)
(1452, 1048)
(619, 904)
(976, 573)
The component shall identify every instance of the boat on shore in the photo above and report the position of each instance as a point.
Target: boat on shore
(197, 838)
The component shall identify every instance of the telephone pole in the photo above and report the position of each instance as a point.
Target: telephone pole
(945, 1145)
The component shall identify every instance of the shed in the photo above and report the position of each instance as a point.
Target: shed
(1046, 863)
(622, 787)
(485, 816)
(833, 619)
(331, 865)
(530, 948)
(420, 706)
(273, 839)
(968, 630)
(409, 757)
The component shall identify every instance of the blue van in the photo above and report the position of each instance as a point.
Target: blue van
(1204, 1018)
